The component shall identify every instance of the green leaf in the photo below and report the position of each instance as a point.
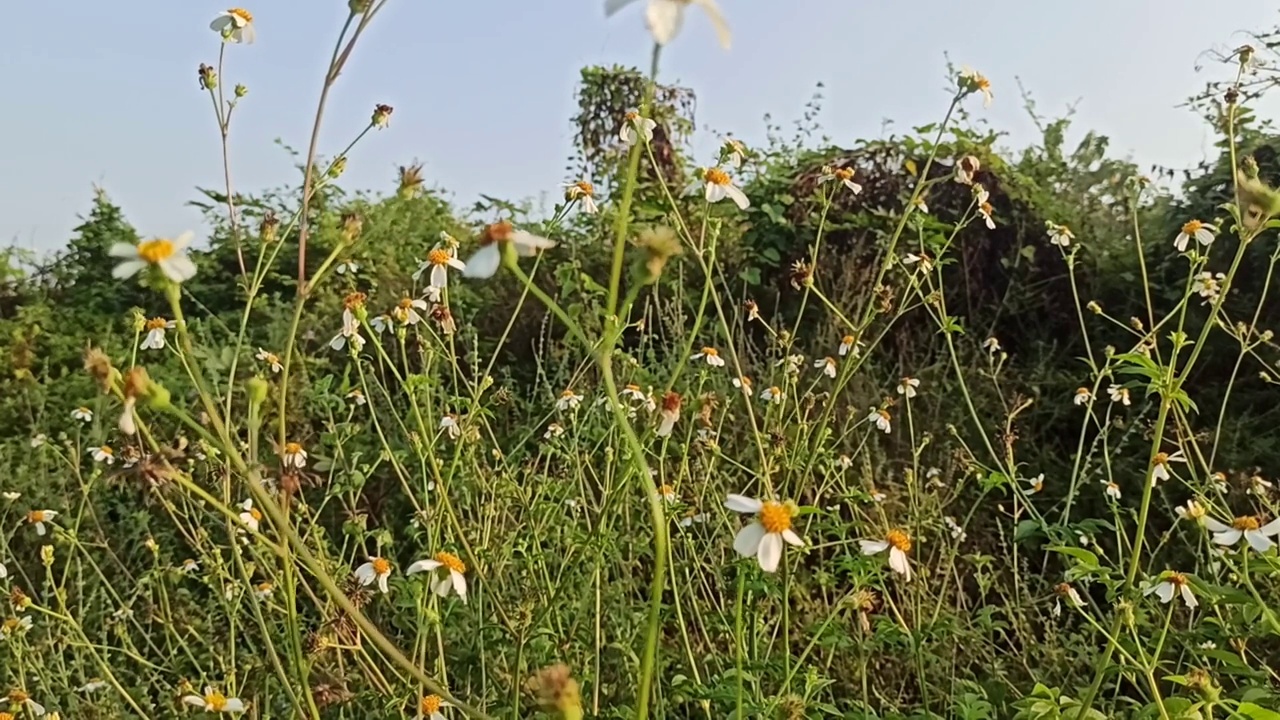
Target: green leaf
(1257, 712)
(1083, 556)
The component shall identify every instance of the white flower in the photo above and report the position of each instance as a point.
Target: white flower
(1191, 511)
(251, 516)
(38, 518)
(710, 355)
(349, 267)
(720, 186)
(882, 419)
(449, 423)
(10, 496)
(554, 430)
(1119, 394)
(83, 414)
(844, 462)
(843, 174)
(1082, 396)
(431, 705)
(350, 332)
(448, 570)
(764, 536)
(93, 685)
(633, 126)
(972, 81)
(31, 707)
(1035, 484)
(381, 323)
(1202, 232)
(635, 394)
(10, 628)
(670, 413)
(568, 400)
(1208, 285)
(155, 333)
(484, 263)
(792, 363)
(377, 570)
(992, 345)
(271, 359)
(439, 260)
(1113, 491)
(356, 396)
(665, 17)
(214, 701)
(189, 566)
(39, 440)
(827, 365)
(1258, 486)
(984, 206)
(1173, 582)
(953, 527)
(925, 262)
(1160, 465)
(585, 193)
(294, 455)
(104, 454)
(735, 151)
(907, 386)
(773, 394)
(898, 543)
(235, 26)
(1059, 235)
(406, 311)
(850, 343)
(168, 255)
(1073, 598)
(1248, 527)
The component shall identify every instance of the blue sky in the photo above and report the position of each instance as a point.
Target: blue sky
(106, 93)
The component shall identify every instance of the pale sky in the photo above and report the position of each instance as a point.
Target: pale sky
(106, 93)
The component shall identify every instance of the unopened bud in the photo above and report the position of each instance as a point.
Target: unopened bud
(267, 228)
(241, 90)
(208, 77)
(358, 7)
(1094, 307)
(337, 168)
(158, 398)
(257, 389)
(46, 555)
(352, 224)
(381, 116)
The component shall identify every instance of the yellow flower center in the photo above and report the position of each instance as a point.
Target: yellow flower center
(272, 359)
(1246, 523)
(153, 251)
(241, 13)
(884, 415)
(775, 391)
(17, 697)
(633, 389)
(1062, 589)
(847, 340)
(381, 566)
(451, 561)
(215, 701)
(157, 324)
(1160, 459)
(35, 516)
(255, 514)
(567, 394)
(667, 491)
(106, 450)
(354, 300)
(1176, 579)
(265, 587)
(438, 257)
(986, 208)
(716, 176)
(775, 517)
(671, 402)
(1192, 227)
(405, 304)
(710, 352)
(1082, 391)
(431, 704)
(633, 116)
(899, 539)
(585, 188)
(746, 382)
(844, 173)
(497, 232)
(292, 448)
(5, 716)
(10, 625)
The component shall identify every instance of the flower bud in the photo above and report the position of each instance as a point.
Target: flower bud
(352, 224)
(381, 116)
(257, 389)
(208, 77)
(267, 228)
(358, 7)
(241, 90)
(46, 555)
(337, 168)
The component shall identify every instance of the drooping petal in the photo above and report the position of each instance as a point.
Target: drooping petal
(717, 21)
(1258, 541)
(770, 552)
(178, 268)
(743, 504)
(747, 541)
(459, 584)
(1271, 528)
(484, 263)
(1164, 591)
(1216, 525)
(193, 700)
(872, 547)
(613, 6)
(1230, 536)
(899, 563)
(739, 198)
(233, 705)
(123, 250)
(792, 538)
(441, 587)
(664, 18)
(1189, 597)
(422, 566)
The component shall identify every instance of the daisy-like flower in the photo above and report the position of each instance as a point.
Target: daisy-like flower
(827, 365)
(1119, 394)
(1203, 233)
(735, 152)
(104, 454)
(439, 260)
(1258, 486)
(1219, 480)
(263, 590)
(971, 81)
(720, 186)
(792, 364)
(214, 701)
(235, 26)
(189, 566)
(22, 700)
(907, 386)
(1113, 491)
(356, 396)
(1059, 235)
(1192, 511)
(168, 255)
(250, 515)
(430, 707)
(983, 199)
(155, 328)
(294, 455)
(1068, 593)
(350, 267)
(377, 569)
(882, 419)
(921, 205)
(447, 573)
(1034, 484)
(635, 394)
(844, 462)
(898, 543)
(664, 18)
(83, 414)
(743, 383)
(634, 126)
(554, 430)
(406, 311)
(14, 626)
(271, 359)
(1171, 583)
(350, 333)
(670, 413)
(38, 440)
(449, 424)
(763, 537)
(709, 355)
(1082, 396)
(991, 345)
(966, 169)
(844, 175)
(585, 193)
(848, 344)
(772, 394)
(484, 263)
(37, 519)
(1247, 527)
(568, 400)
(923, 260)
(1160, 464)
(1208, 285)
(667, 493)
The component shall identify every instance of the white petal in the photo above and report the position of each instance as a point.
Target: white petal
(382, 583)
(770, 552)
(233, 705)
(1271, 528)
(899, 563)
(528, 241)
(747, 541)
(717, 21)
(123, 250)
(792, 538)
(737, 196)
(1164, 591)
(178, 268)
(128, 269)
(871, 547)
(1216, 525)
(441, 587)
(422, 566)
(664, 18)
(459, 584)
(715, 193)
(1230, 536)
(194, 700)
(1258, 541)
(613, 6)
(365, 573)
(484, 263)
(743, 504)
(248, 34)
(1189, 597)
